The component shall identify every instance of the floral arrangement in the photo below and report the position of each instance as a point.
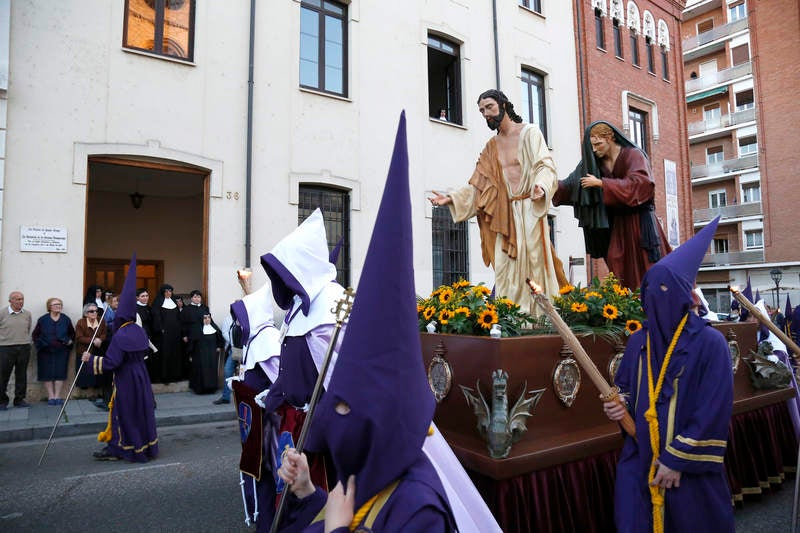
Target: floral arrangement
(468, 309)
(603, 308)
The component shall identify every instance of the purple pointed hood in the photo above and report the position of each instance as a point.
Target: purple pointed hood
(787, 313)
(126, 311)
(333, 257)
(667, 288)
(379, 373)
(132, 336)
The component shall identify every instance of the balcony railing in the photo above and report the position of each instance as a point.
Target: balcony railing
(725, 121)
(725, 167)
(729, 211)
(712, 35)
(733, 258)
(718, 77)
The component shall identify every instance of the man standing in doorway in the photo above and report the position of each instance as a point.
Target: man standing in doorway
(15, 349)
(510, 193)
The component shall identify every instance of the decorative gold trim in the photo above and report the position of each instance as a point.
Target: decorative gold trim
(711, 442)
(693, 456)
(567, 378)
(440, 373)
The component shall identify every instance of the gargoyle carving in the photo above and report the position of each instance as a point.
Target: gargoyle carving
(497, 425)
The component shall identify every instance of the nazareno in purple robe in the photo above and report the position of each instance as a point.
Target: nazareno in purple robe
(379, 375)
(133, 421)
(693, 409)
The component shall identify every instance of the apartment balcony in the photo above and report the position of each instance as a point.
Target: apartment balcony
(727, 212)
(718, 78)
(710, 128)
(713, 40)
(726, 167)
(733, 258)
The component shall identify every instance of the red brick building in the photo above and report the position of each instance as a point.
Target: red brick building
(740, 65)
(630, 74)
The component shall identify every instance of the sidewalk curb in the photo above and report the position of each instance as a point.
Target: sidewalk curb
(86, 428)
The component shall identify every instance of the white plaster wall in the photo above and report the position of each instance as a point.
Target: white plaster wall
(71, 84)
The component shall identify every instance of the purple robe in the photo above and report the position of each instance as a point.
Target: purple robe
(417, 504)
(133, 421)
(698, 389)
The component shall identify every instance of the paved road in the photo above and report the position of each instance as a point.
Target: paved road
(192, 487)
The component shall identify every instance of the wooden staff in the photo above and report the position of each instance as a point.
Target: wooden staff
(342, 311)
(72, 387)
(607, 392)
(756, 312)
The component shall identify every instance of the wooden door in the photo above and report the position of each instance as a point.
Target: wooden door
(110, 274)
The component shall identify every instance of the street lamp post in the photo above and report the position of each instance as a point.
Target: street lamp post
(777, 274)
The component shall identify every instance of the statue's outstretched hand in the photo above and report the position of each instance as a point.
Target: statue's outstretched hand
(440, 199)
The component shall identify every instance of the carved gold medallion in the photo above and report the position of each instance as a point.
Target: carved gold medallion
(440, 373)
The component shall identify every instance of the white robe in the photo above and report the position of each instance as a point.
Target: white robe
(534, 253)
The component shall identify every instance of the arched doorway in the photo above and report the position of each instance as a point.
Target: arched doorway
(157, 208)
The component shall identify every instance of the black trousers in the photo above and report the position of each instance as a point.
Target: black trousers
(14, 357)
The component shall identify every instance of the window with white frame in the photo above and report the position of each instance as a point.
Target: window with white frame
(751, 192)
(745, 100)
(717, 199)
(720, 246)
(533, 101)
(533, 5)
(714, 154)
(754, 239)
(450, 241)
(638, 125)
(323, 46)
(737, 11)
(748, 145)
(444, 79)
(712, 114)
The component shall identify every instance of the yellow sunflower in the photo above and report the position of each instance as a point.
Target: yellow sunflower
(593, 294)
(620, 290)
(481, 290)
(610, 312)
(632, 326)
(566, 289)
(445, 315)
(420, 308)
(578, 307)
(463, 311)
(445, 295)
(461, 284)
(428, 312)
(487, 318)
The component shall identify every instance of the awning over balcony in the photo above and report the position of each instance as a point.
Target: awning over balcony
(706, 94)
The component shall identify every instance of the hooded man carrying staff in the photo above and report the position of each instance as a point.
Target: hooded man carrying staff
(509, 193)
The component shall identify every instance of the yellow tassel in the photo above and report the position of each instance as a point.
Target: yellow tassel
(105, 435)
(651, 416)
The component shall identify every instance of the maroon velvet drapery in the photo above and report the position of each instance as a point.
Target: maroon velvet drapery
(579, 496)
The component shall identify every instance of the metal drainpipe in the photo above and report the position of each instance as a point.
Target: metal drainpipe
(496, 45)
(249, 170)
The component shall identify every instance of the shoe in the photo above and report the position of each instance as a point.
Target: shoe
(59, 401)
(220, 401)
(21, 403)
(52, 401)
(104, 455)
(3, 406)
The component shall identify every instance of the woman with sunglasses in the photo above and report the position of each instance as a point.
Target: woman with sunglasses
(84, 331)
